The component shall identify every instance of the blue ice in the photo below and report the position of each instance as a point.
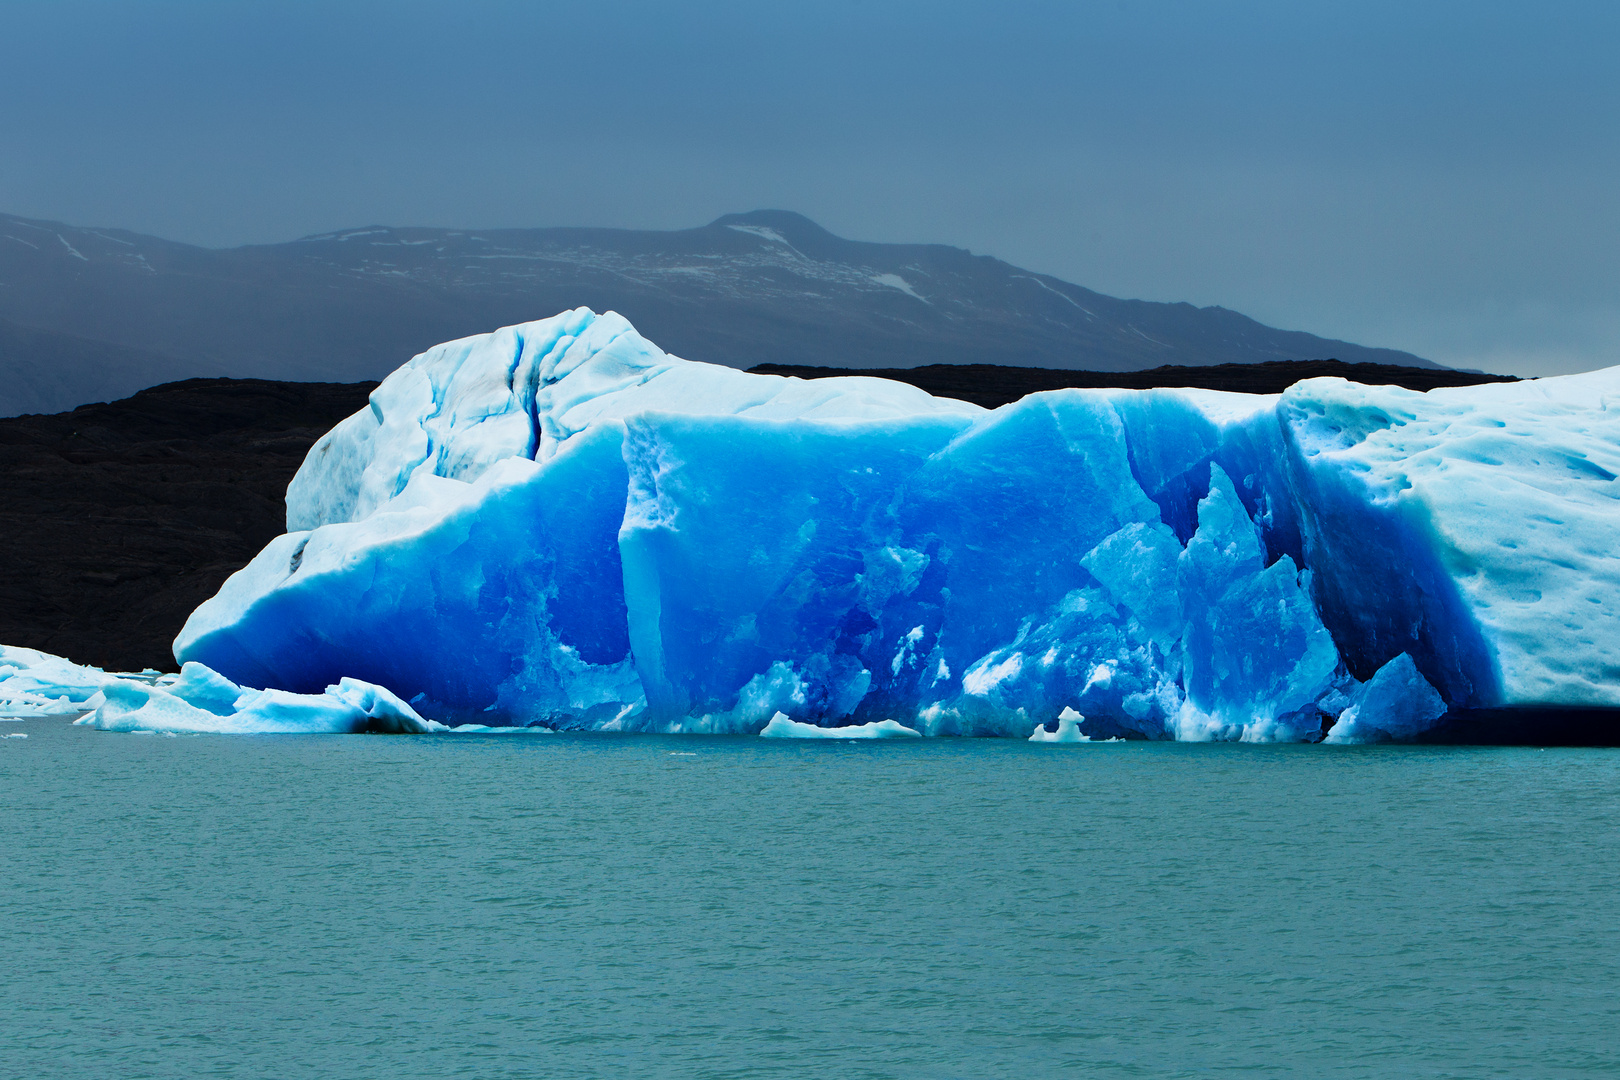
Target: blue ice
(559, 525)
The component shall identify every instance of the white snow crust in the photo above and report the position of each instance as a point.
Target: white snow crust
(1512, 488)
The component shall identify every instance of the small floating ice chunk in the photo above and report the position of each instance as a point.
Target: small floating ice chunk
(1396, 703)
(1068, 729)
(781, 727)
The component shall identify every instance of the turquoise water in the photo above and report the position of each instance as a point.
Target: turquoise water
(612, 906)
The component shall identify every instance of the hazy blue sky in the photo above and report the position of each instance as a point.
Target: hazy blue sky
(1440, 177)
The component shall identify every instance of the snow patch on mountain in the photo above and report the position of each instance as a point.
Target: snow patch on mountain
(895, 281)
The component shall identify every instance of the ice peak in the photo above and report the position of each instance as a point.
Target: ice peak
(524, 391)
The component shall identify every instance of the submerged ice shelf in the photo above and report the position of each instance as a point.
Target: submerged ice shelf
(558, 524)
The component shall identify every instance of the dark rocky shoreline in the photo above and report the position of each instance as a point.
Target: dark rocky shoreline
(991, 385)
(117, 519)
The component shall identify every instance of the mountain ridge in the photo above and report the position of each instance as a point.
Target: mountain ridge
(768, 286)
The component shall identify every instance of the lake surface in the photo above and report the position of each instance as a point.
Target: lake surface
(589, 906)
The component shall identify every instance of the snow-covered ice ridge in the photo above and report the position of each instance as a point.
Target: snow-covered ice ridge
(558, 524)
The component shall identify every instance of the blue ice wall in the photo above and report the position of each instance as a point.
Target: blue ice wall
(750, 542)
(505, 599)
(1380, 584)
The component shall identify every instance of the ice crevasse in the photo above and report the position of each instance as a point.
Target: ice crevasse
(559, 525)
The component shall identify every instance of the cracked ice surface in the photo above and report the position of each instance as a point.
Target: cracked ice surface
(559, 524)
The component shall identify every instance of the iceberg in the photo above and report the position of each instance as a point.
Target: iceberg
(1068, 730)
(781, 727)
(558, 525)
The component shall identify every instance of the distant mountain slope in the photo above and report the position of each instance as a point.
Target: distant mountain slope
(765, 287)
(42, 371)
